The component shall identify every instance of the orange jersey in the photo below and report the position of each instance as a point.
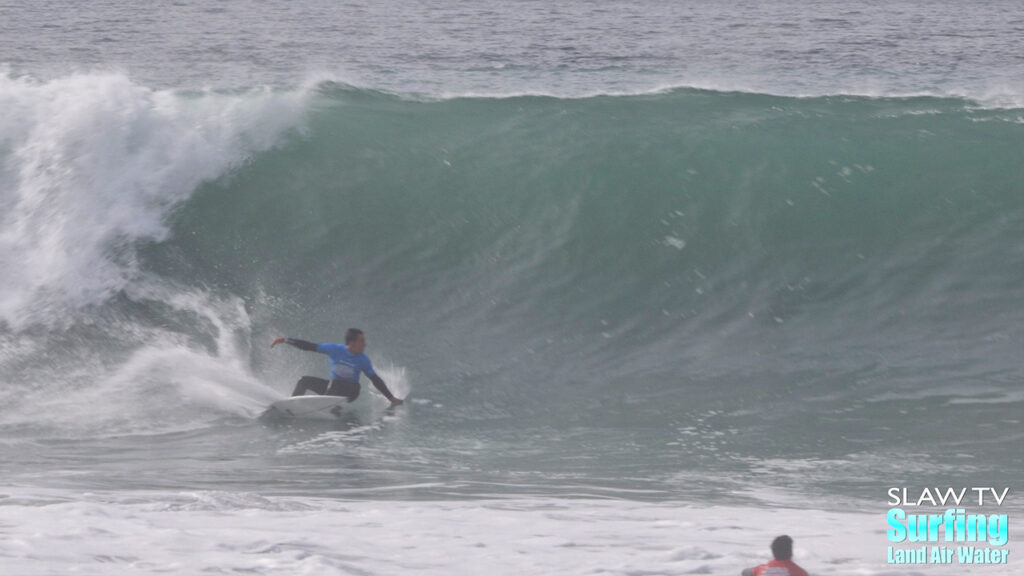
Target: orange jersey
(779, 568)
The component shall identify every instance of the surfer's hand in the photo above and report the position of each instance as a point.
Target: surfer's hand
(276, 342)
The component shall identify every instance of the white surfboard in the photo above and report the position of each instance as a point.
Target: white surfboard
(313, 406)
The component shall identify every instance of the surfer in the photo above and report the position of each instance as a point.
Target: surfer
(347, 362)
(782, 565)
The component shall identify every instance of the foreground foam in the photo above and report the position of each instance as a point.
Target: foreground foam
(108, 533)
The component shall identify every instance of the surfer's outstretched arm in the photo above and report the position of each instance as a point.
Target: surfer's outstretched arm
(378, 382)
(300, 344)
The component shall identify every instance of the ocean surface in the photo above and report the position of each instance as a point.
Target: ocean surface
(660, 281)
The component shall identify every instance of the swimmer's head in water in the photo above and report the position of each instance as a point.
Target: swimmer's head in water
(782, 548)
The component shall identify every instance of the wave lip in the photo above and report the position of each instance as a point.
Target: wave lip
(1003, 96)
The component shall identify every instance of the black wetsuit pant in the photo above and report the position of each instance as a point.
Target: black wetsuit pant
(326, 387)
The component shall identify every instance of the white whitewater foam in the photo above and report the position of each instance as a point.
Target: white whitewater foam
(221, 532)
(92, 163)
(166, 385)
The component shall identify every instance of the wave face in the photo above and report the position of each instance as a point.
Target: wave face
(706, 277)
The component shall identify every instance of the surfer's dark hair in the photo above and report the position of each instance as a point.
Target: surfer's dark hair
(782, 548)
(352, 335)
